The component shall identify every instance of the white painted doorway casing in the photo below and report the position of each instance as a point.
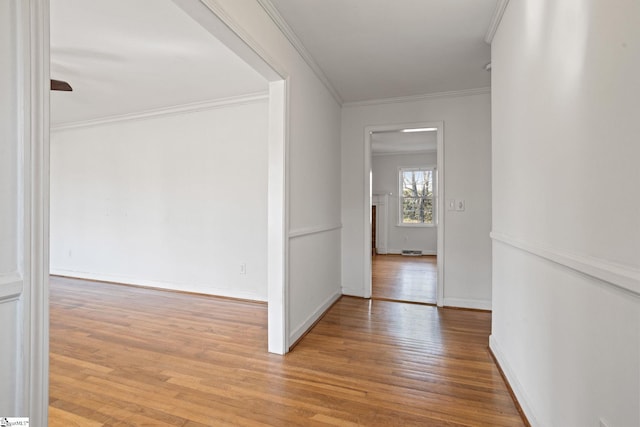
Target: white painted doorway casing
(32, 45)
(30, 42)
(369, 130)
(213, 18)
(381, 202)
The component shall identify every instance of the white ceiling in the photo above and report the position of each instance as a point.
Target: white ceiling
(129, 56)
(126, 56)
(397, 142)
(373, 49)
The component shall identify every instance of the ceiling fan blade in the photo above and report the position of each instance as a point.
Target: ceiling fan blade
(60, 85)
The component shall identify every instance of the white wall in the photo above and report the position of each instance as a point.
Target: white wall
(177, 201)
(467, 154)
(385, 180)
(313, 174)
(10, 271)
(566, 211)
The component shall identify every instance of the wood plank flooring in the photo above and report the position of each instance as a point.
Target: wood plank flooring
(402, 278)
(123, 356)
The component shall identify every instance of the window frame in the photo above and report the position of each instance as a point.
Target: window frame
(434, 195)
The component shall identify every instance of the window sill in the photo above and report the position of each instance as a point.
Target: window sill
(417, 225)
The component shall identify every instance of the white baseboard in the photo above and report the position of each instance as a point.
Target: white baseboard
(468, 303)
(353, 292)
(399, 252)
(515, 385)
(183, 287)
(308, 323)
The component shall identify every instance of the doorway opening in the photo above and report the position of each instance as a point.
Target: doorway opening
(205, 19)
(404, 223)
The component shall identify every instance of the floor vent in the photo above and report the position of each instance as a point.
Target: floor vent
(409, 252)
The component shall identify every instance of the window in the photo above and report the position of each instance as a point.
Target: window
(417, 201)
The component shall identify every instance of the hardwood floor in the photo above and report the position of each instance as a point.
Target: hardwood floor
(131, 356)
(402, 278)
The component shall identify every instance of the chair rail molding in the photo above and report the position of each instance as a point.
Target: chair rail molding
(306, 231)
(624, 277)
(11, 287)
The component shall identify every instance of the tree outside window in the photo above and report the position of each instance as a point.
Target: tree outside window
(417, 202)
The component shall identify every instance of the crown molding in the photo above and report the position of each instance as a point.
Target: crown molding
(286, 30)
(501, 6)
(414, 98)
(247, 41)
(166, 111)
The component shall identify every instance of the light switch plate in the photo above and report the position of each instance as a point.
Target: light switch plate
(451, 205)
(460, 205)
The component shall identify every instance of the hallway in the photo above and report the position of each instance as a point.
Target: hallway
(404, 278)
(124, 355)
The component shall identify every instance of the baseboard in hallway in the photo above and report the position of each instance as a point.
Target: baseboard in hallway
(429, 303)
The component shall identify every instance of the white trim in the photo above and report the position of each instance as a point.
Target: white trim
(441, 202)
(621, 276)
(23, 57)
(10, 279)
(476, 304)
(498, 13)
(278, 218)
(34, 140)
(184, 287)
(230, 33)
(313, 230)
(399, 252)
(512, 379)
(416, 98)
(11, 287)
(381, 201)
(400, 153)
(430, 167)
(353, 292)
(366, 292)
(286, 30)
(166, 111)
(214, 18)
(314, 317)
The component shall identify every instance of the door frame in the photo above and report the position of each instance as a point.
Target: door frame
(31, 41)
(368, 131)
(381, 202)
(217, 22)
(33, 54)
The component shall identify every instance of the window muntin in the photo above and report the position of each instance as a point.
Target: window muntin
(417, 197)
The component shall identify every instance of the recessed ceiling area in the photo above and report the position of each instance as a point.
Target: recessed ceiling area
(129, 56)
(399, 142)
(374, 49)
